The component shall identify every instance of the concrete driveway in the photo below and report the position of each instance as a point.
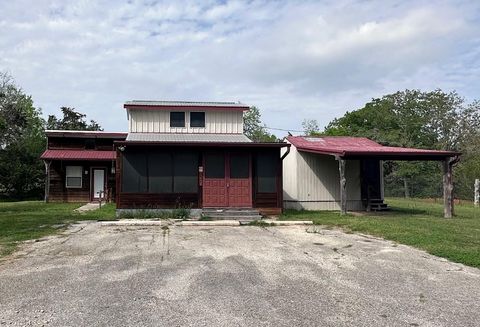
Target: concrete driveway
(232, 276)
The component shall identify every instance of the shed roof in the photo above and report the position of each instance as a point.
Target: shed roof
(92, 155)
(187, 138)
(184, 105)
(357, 147)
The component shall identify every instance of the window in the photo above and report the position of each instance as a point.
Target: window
(89, 144)
(73, 177)
(160, 171)
(197, 119)
(134, 178)
(239, 166)
(266, 173)
(215, 165)
(185, 179)
(177, 119)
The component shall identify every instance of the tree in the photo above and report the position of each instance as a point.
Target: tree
(22, 141)
(253, 127)
(72, 120)
(411, 118)
(310, 127)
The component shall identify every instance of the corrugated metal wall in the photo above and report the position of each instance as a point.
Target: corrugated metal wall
(311, 181)
(158, 121)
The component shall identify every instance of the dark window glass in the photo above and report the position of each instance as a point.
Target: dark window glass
(89, 144)
(239, 166)
(134, 178)
(177, 119)
(185, 178)
(266, 167)
(215, 165)
(160, 171)
(197, 119)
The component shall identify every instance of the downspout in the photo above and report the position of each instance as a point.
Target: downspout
(286, 153)
(281, 159)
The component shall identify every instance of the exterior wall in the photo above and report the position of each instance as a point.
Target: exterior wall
(266, 203)
(60, 193)
(158, 121)
(312, 182)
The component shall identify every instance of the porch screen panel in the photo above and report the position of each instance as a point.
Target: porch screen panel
(185, 172)
(160, 171)
(266, 167)
(134, 178)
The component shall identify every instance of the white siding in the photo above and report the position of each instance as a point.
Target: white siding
(311, 181)
(158, 121)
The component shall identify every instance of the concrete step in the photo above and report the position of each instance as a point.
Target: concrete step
(242, 218)
(232, 213)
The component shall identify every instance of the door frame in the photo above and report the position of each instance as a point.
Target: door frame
(227, 156)
(92, 181)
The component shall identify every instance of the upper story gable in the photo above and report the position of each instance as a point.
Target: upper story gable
(185, 117)
(82, 140)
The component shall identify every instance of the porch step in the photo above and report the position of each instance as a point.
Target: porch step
(377, 205)
(243, 214)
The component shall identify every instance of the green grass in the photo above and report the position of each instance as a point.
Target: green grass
(413, 222)
(20, 221)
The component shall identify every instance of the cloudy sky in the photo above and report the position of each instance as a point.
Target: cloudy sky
(294, 60)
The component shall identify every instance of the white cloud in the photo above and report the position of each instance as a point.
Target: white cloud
(294, 60)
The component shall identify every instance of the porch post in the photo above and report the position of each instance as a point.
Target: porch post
(343, 185)
(448, 200)
(47, 179)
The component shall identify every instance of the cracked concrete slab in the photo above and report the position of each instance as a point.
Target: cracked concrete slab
(224, 276)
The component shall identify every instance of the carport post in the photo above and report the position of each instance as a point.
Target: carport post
(343, 185)
(448, 186)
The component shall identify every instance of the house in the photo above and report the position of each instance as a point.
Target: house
(195, 155)
(80, 165)
(345, 173)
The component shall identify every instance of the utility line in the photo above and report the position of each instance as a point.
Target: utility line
(285, 130)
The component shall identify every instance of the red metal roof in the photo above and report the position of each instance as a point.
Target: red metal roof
(79, 155)
(347, 146)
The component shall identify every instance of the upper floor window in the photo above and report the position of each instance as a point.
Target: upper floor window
(90, 144)
(197, 119)
(177, 119)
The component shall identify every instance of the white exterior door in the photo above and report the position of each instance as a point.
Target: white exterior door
(98, 183)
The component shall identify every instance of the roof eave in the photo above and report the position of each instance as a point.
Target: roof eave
(207, 144)
(185, 107)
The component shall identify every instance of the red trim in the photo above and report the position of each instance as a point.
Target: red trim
(184, 108)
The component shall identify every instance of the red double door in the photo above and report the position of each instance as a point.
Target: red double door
(227, 180)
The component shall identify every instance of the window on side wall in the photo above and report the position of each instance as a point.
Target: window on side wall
(73, 177)
(177, 119)
(197, 119)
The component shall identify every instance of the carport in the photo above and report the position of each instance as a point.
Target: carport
(360, 148)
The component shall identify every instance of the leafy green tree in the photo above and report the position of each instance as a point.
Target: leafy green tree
(72, 120)
(253, 127)
(411, 118)
(310, 127)
(22, 141)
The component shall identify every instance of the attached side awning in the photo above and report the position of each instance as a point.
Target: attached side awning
(92, 155)
(360, 147)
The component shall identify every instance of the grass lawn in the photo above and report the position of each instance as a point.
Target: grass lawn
(413, 222)
(20, 221)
